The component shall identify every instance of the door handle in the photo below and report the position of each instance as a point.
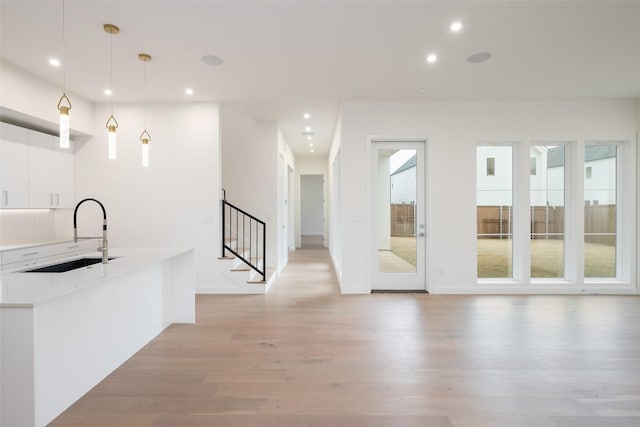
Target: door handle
(5, 197)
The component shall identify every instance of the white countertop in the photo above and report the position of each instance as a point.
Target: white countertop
(18, 289)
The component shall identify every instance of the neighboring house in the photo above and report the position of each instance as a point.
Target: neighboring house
(547, 181)
(403, 183)
(599, 173)
(494, 176)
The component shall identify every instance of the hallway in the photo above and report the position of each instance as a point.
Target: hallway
(304, 355)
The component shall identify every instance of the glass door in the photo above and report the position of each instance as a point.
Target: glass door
(398, 216)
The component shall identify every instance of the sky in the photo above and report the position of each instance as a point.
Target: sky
(398, 159)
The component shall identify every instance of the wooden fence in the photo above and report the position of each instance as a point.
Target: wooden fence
(547, 222)
(600, 222)
(495, 222)
(403, 220)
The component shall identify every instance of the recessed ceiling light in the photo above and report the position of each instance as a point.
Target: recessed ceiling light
(455, 26)
(306, 115)
(478, 57)
(307, 128)
(55, 62)
(311, 144)
(108, 92)
(188, 91)
(309, 137)
(312, 150)
(212, 60)
(431, 58)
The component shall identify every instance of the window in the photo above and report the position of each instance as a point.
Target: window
(547, 207)
(494, 212)
(491, 166)
(600, 215)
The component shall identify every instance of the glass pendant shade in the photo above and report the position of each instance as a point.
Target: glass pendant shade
(145, 154)
(112, 125)
(112, 142)
(64, 120)
(145, 138)
(64, 127)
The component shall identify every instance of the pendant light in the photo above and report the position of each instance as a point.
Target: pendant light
(145, 137)
(112, 123)
(64, 105)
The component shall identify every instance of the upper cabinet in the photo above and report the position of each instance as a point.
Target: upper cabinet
(40, 170)
(14, 166)
(35, 172)
(63, 175)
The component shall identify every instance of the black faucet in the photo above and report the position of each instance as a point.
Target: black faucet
(104, 247)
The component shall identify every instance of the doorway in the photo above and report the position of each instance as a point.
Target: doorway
(311, 211)
(398, 230)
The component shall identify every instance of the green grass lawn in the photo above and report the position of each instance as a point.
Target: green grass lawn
(547, 257)
(405, 248)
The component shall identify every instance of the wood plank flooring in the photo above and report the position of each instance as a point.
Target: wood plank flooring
(304, 355)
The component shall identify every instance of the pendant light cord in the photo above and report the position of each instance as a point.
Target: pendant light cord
(144, 94)
(64, 54)
(111, 70)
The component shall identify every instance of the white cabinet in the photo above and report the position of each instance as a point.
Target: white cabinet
(26, 257)
(50, 172)
(14, 166)
(34, 171)
(63, 163)
(40, 170)
(17, 259)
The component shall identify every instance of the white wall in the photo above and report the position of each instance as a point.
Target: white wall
(312, 205)
(175, 201)
(249, 168)
(637, 185)
(453, 131)
(25, 94)
(286, 200)
(333, 200)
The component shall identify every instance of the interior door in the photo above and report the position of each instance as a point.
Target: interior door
(283, 213)
(398, 229)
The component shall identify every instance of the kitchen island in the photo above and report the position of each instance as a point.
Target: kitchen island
(62, 333)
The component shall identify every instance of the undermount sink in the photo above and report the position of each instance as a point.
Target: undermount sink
(66, 266)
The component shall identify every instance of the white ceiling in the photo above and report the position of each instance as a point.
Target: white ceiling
(284, 58)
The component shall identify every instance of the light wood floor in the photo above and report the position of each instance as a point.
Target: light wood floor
(304, 355)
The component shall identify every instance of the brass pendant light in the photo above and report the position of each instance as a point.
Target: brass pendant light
(145, 137)
(64, 105)
(112, 123)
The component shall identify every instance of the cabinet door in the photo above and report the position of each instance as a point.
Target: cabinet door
(14, 167)
(63, 195)
(40, 171)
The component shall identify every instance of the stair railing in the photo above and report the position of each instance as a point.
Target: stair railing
(249, 234)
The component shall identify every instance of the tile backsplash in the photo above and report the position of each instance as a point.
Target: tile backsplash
(34, 225)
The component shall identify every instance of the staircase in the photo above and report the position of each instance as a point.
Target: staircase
(244, 250)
